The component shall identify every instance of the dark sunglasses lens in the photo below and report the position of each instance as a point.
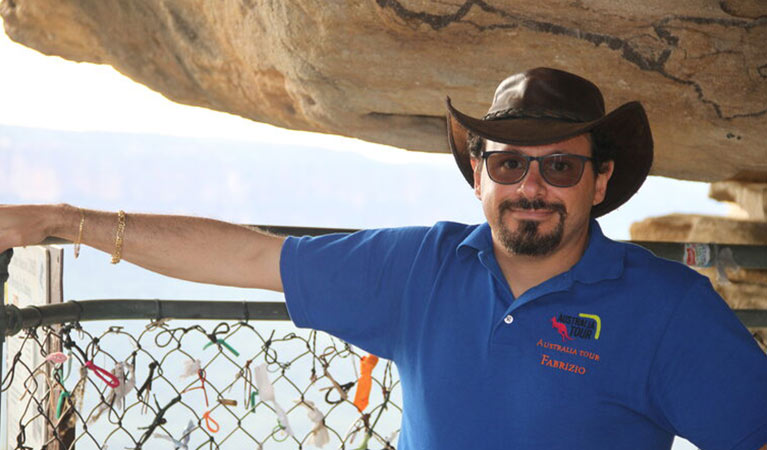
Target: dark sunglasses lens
(506, 168)
(562, 170)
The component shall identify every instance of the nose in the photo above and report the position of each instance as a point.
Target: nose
(532, 185)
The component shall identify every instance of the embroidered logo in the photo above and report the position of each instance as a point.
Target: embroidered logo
(547, 361)
(568, 353)
(582, 326)
(561, 328)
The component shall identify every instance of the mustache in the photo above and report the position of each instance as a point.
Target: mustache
(524, 203)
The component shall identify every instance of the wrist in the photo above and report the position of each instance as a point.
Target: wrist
(63, 220)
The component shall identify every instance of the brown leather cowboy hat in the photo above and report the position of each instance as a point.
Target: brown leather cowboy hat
(542, 106)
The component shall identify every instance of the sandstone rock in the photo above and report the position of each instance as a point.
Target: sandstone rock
(380, 70)
(742, 288)
(743, 295)
(698, 228)
(750, 197)
(740, 275)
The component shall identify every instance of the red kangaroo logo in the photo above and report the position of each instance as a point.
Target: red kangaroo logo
(561, 328)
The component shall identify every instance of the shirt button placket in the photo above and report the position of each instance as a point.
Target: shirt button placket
(508, 319)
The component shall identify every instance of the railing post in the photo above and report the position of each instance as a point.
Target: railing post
(5, 261)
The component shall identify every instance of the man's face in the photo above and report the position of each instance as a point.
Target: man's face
(532, 217)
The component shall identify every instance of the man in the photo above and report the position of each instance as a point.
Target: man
(532, 331)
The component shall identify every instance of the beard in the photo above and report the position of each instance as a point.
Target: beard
(527, 239)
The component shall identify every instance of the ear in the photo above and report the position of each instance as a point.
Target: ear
(476, 166)
(600, 187)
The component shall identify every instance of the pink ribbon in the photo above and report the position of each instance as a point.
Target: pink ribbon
(106, 377)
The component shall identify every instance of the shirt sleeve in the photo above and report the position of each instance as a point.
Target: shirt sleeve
(351, 285)
(708, 379)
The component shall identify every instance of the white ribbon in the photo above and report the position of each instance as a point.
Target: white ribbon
(191, 368)
(266, 392)
(183, 443)
(116, 397)
(320, 434)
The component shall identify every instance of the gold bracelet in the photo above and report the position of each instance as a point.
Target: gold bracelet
(117, 255)
(79, 239)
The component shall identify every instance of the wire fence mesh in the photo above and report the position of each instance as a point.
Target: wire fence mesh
(183, 385)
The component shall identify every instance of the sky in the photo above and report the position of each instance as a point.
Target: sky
(47, 92)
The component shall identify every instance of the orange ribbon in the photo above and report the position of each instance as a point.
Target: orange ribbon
(362, 396)
(210, 423)
(201, 376)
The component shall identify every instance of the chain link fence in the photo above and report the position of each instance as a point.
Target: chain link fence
(220, 380)
(179, 384)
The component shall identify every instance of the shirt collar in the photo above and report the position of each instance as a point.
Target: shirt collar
(602, 260)
(479, 239)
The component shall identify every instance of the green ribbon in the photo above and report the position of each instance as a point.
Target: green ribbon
(64, 395)
(223, 342)
(253, 396)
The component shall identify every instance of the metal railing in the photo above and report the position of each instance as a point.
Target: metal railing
(239, 383)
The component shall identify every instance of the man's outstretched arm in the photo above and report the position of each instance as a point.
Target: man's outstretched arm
(189, 248)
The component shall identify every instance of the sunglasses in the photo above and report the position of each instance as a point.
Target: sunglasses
(559, 169)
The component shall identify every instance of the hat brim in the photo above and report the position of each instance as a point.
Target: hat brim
(626, 129)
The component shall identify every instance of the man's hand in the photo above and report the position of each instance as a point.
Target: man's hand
(22, 225)
(190, 248)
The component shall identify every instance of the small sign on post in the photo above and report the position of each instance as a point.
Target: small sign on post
(35, 279)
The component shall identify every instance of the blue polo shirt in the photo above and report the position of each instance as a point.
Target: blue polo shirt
(623, 351)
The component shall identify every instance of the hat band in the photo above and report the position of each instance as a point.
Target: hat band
(520, 113)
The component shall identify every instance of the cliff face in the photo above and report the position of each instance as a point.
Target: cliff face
(379, 70)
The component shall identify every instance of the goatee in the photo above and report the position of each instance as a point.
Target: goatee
(526, 239)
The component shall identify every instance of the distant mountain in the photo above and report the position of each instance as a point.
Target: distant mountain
(237, 181)
(242, 182)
